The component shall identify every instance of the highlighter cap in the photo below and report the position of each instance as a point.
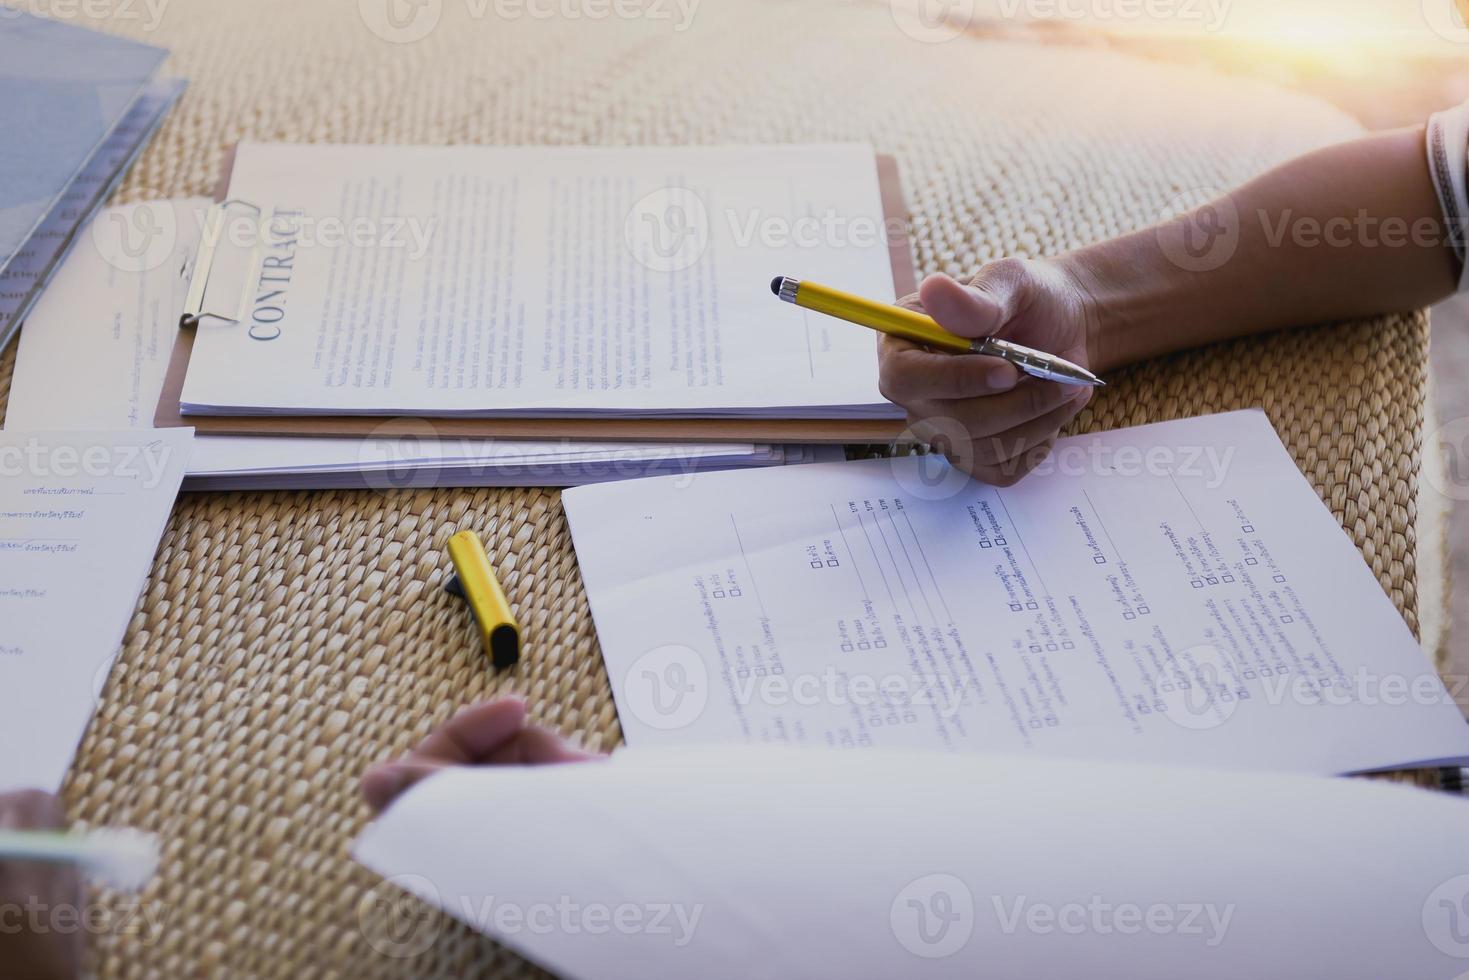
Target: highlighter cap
(502, 640)
(477, 583)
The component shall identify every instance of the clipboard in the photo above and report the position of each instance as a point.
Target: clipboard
(210, 297)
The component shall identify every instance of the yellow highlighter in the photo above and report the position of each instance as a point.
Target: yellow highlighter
(477, 584)
(898, 322)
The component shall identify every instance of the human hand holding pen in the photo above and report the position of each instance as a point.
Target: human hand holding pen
(1147, 294)
(990, 419)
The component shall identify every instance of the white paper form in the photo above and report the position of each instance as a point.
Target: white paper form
(107, 326)
(1171, 593)
(80, 518)
(763, 862)
(549, 281)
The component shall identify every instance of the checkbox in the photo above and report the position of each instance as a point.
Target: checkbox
(1226, 695)
(846, 648)
(1052, 721)
(1228, 578)
(1198, 584)
(1067, 645)
(1032, 605)
(735, 593)
(1282, 669)
(1266, 672)
(743, 671)
(1143, 610)
(880, 644)
(1129, 615)
(760, 671)
(1051, 647)
(1252, 561)
(1249, 675)
(1035, 648)
(816, 564)
(1100, 559)
(1000, 542)
(1248, 529)
(831, 563)
(1167, 688)
(777, 669)
(1015, 607)
(1212, 580)
(719, 595)
(1280, 578)
(1035, 723)
(864, 645)
(986, 543)
(1287, 618)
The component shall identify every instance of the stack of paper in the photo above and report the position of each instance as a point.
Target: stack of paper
(95, 348)
(1175, 593)
(794, 864)
(394, 464)
(493, 282)
(76, 106)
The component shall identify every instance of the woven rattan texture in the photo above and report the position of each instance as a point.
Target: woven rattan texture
(285, 640)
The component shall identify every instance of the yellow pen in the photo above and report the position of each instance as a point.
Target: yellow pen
(476, 582)
(898, 322)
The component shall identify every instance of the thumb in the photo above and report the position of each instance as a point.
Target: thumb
(386, 781)
(982, 308)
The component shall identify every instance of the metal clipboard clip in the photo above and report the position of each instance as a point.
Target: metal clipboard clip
(199, 304)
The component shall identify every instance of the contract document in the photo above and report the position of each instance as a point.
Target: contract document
(81, 514)
(766, 862)
(107, 326)
(542, 282)
(1172, 593)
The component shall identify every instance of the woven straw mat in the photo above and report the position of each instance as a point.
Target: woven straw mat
(286, 640)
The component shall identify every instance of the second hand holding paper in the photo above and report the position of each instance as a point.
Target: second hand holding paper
(759, 862)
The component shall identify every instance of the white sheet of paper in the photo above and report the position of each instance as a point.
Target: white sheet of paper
(769, 862)
(80, 518)
(1173, 593)
(107, 325)
(566, 280)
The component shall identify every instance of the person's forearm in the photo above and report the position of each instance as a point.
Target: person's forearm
(1349, 231)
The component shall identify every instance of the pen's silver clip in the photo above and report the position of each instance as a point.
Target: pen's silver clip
(199, 304)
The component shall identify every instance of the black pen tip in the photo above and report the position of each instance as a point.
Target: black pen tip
(775, 285)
